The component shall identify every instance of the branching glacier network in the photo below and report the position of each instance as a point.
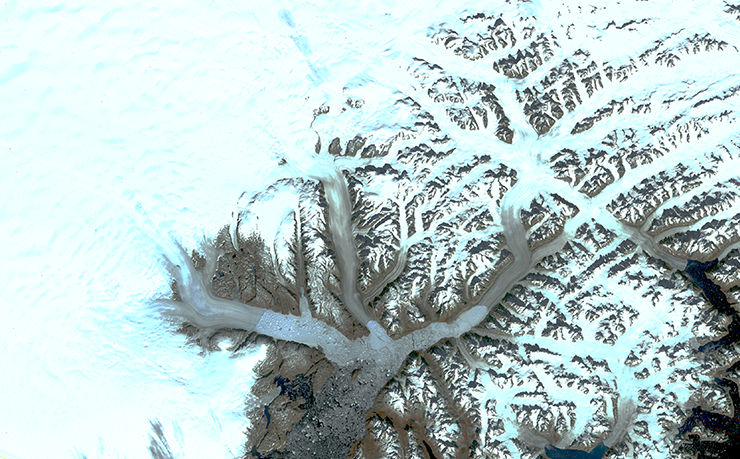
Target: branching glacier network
(508, 273)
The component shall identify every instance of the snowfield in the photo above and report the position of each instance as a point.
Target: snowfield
(374, 230)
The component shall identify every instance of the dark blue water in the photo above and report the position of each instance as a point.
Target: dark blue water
(300, 386)
(558, 453)
(429, 450)
(696, 272)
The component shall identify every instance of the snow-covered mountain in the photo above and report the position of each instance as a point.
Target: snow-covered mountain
(473, 230)
(498, 268)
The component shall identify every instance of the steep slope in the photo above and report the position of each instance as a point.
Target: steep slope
(500, 271)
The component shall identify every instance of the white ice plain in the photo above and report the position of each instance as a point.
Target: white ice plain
(107, 107)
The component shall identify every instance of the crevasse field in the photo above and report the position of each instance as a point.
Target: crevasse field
(125, 127)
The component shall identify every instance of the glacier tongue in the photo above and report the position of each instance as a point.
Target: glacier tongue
(377, 346)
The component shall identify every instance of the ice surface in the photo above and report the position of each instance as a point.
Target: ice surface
(106, 113)
(125, 128)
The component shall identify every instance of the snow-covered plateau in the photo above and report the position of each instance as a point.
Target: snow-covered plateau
(292, 230)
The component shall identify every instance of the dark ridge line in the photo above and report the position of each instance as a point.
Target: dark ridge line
(158, 447)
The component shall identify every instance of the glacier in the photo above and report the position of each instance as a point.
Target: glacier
(379, 230)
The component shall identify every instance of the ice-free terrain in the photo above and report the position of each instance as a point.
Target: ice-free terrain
(480, 229)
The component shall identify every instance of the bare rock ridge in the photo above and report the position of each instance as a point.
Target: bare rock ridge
(510, 274)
